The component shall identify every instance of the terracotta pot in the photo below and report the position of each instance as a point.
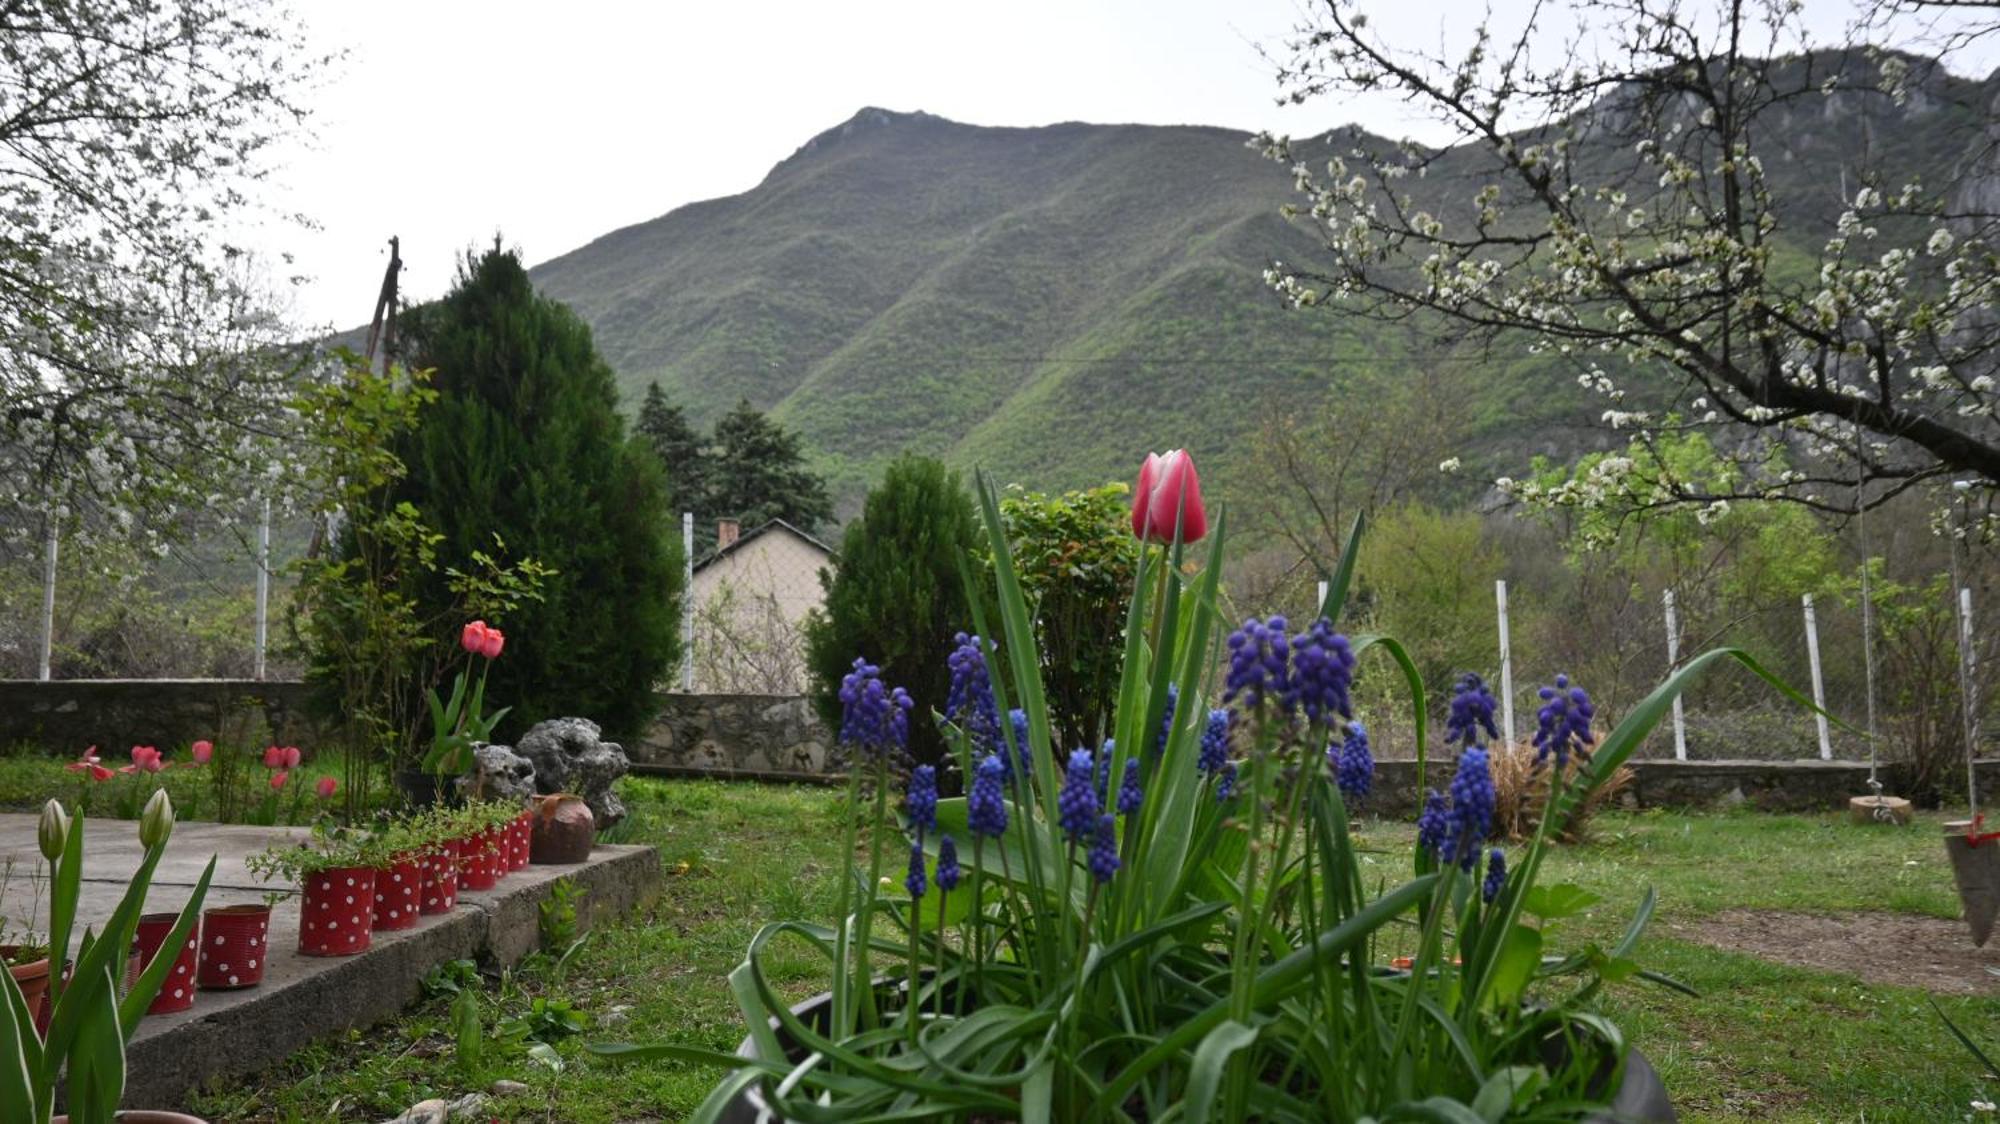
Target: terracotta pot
(177, 989)
(565, 829)
(145, 1117)
(337, 917)
(399, 889)
(32, 978)
(479, 861)
(235, 943)
(440, 878)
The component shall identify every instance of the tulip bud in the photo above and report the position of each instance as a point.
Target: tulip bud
(157, 822)
(1168, 493)
(201, 751)
(53, 831)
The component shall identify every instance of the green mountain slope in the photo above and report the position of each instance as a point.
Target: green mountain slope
(1049, 303)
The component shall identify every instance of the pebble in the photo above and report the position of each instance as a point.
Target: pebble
(505, 1088)
(440, 1111)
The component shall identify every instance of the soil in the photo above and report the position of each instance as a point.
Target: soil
(1882, 948)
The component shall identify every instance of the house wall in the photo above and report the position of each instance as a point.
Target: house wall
(749, 606)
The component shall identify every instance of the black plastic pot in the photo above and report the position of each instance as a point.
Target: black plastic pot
(426, 790)
(1641, 1098)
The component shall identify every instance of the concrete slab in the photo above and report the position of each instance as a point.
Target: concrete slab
(303, 997)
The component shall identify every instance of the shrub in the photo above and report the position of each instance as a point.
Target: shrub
(1521, 794)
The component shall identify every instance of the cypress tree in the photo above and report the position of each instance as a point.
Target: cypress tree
(895, 596)
(525, 440)
(757, 472)
(666, 430)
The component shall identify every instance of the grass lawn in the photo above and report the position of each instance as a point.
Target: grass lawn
(1763, 1042)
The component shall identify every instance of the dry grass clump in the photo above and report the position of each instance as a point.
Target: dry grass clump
(1521, 792)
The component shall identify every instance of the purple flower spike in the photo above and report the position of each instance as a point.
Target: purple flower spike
(1322, 673)
(1472, 707)
(985, 807)
(1077, 803)
(1353, 765)
(1104, 850)
(1259, 664)
(1129, 794)
(921, 803)
(1564, 723)
(1214, 742)
(1496, 876)
(947, 865)
(915, 882)
(1471, 816)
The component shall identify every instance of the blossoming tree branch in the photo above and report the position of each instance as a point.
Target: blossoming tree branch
(1620, 190)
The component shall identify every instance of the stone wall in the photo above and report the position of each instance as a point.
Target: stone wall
(769, 736)
(65, 716)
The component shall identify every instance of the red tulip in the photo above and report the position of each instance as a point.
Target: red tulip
(326, 787)
(473, 639)
(144, 757)
(100, 773)
(1168, 489)
(85, 763)
(202, 751)
(274, 758)
(495, 640)
(278, 780)
(291, 757)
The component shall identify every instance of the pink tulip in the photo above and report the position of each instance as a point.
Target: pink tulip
(326, 787)
(202, 751)
(1168, 489)
(278, 780)
(473, 639)
(291, 757)
(274, 758)
(146, 758)
(495, 640)
(100, 773)
(85, 763)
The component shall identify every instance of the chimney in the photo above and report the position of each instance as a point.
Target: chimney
(726, 533)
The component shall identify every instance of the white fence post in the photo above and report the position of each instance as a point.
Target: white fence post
(1818, 684)
(48, 600)
(1673, 665)
(1966, 689)
(1506, 665)
(263, 587)
(1320, 604)
(687, 602)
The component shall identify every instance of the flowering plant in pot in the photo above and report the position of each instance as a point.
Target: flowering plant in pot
(23, 947)
(90, 1024)
(335, 874)
(461, 722)
(482, 827)
(1178, 923)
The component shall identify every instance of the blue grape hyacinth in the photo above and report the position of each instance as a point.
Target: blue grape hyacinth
(1226, 786)
(1431, 823)
(1564, 723)
(1167, 718)
(1104, 850)
(1129, 794)
(1322, 673)
(1472, 707)
(1077, 804)
(1496, 876)
(1470, 817)
(1353, 764)
(970, 699)
(914, 883)
(873, 718)
(1259, 664)
(947, 865)
(1018, 719)
(985, 806)
(921, 802)
(1214, 743)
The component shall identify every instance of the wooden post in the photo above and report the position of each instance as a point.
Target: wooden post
(1673, 665)
(1818, 684)
(1506, 665)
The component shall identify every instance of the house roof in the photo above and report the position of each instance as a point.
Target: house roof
(744, 539)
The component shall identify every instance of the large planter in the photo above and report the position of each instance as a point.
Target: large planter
(564, 830)
(440, 878)
(1639, 1099)
(235, 944)
(337, 915)
(399, 889)
(177, 989)
(32, 978)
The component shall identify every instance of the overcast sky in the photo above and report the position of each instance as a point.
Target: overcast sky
(552, 124)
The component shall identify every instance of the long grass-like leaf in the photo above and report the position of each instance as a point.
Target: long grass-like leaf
(1343, 573)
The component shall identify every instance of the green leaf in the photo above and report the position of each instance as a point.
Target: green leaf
(1211, 1064)
(148, 984)
(1508, 1088)
(1520, 955)
(20, 1053)
(1565, 899)
(1343, 573)
(1435, 1110)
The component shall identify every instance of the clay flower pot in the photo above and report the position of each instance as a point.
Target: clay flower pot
(32, 978)
(399, 889)
(177, 990)
(564, 829)
(235, 943)
(440, 878)
(337, 917)
(479, 860)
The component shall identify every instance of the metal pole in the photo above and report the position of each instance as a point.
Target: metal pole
(687, 602)
(1964, 607)
(49, 600)
(1506, 665)
(1818, 684)
(1673, 664)
(1867, 606)
(263, 587)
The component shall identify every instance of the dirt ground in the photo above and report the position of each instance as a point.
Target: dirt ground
(1884, 948)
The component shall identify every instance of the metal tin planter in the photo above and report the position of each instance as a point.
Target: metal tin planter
(235, 943)
(399, 891)
(337, 916)
(440, 878)
(177, 990)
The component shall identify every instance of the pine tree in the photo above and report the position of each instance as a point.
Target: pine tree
(525, 440)
(757, 472)
(665, 428)
(895, 596)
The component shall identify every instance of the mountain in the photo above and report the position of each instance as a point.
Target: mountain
(1050, 303)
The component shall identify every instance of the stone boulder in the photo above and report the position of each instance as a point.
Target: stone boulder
(498, 773)
(570, 756)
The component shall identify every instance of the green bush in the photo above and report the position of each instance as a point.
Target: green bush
(895, 596)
